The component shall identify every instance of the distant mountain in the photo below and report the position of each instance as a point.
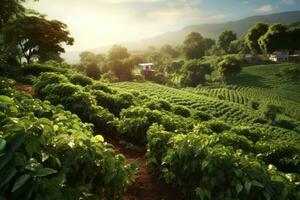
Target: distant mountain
(207, 30)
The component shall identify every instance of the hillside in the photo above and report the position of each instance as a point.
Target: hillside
(207, 30)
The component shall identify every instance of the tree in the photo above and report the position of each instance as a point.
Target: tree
(120, 62)
(37, 37)
(194, 46)
(88, 57)
(253, 36)
(194, 72)
(10, 10)
(276, 38)
(280, 37)
(169, 51)
(118, 52)
(225, 39)
(93, 71)
(229, 67)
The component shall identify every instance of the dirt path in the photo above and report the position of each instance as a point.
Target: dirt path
(25, 88)
(147, 186)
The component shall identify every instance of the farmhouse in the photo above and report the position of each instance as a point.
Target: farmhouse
(280, 56)
(147, 69)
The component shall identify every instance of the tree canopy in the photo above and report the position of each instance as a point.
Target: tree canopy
(276, 38)
(253, 36)
(37, 37)
(229, 67)
(194, 46)
(225, 39)
(193, 73)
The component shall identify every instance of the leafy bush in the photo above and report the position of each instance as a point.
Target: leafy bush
(202, 168)
(252, 134)
(100, 86)
(203, 116)
(48, 78)
(79, 79)
(36, 69)
(158, 104)
(181, 110)
(46, 150)
(218, 126)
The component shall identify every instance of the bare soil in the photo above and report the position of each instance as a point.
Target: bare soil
(25, 88)
(147, 185)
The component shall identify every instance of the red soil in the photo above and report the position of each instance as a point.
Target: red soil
(147, 185)
(25, 88)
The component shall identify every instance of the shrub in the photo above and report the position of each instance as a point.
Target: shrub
(252, 134)
(55, 154)
(202, 168)
(36, 69)
(181, 110)
(218, 126)
(254, 105)
(101, 86)
(271, 111)
(287, 124)
(229, 67)
(109, 77)
(79, 79)
(157, 104)
(203, 116)
(48, 78)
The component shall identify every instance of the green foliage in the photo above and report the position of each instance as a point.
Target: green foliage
(93, 71)
(36, 69)
(225, 39)
(253, 36)
(229, 67)
(44, 149)
(271, 112)
(181, 110)
(279, 37)
(27, 34)
(193, 73)
(194, 46)
(79, 79)
(207, 167)
(57, 89)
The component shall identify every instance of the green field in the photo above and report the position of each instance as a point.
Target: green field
(197, 139)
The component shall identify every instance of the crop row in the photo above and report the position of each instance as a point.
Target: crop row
(47, 150)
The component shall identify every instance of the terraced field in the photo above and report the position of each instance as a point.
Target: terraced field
(232, 113)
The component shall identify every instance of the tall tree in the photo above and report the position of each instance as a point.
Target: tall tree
(194, 46)
(193, 73)
(225, 39)
(120, 62)
(276, 38)
(253, 36)
(169, 51)
(37, 37)
(10, 10)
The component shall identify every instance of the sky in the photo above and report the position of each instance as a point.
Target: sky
(95, 23)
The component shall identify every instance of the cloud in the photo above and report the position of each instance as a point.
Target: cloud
(288, 1)
(265, 8)
(129, 1)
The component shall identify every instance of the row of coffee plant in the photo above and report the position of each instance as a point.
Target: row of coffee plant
(49, 153)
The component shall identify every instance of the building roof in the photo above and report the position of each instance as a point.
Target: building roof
(146, 64)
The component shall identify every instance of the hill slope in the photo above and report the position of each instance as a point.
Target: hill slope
(207, 30)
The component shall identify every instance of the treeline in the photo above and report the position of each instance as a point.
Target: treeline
(197, 60)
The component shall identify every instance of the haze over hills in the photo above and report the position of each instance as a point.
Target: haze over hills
(207, 30)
